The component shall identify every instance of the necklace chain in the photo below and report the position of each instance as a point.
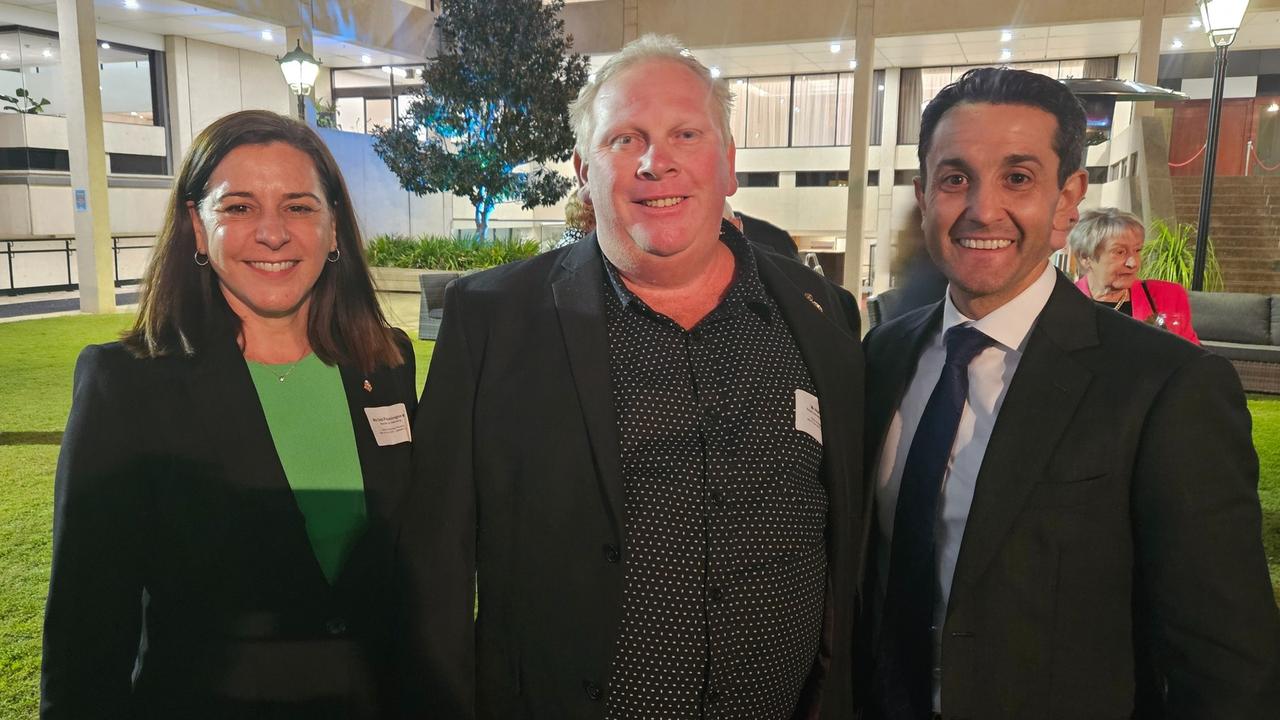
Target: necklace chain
(1123, 298)
(286, 374)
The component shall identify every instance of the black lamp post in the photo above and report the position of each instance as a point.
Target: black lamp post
(1221, 20)
(300, 69)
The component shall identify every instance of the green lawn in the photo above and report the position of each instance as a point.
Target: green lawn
(36, 360)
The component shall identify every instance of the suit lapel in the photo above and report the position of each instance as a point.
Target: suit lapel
(892, 365)
(236, 432)
(577, 289)
(1041, 401)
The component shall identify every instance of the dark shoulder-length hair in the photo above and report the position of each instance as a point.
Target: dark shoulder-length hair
(182, 309)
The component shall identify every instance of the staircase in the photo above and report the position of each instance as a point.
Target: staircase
(1244, 227)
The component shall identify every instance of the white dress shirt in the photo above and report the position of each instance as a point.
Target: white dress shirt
(989, 376)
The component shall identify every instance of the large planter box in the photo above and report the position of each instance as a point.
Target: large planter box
(405, 280)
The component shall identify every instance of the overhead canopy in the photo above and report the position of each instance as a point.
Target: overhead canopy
(1126, 90)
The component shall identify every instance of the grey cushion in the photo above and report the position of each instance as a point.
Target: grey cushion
(1232, 317)
(1240, 351)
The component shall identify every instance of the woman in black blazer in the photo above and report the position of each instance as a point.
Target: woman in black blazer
(225, 497)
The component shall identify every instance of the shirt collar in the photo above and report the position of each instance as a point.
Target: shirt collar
(1011, 323)
(746, 288)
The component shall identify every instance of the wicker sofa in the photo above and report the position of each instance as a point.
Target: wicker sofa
(1244, 328)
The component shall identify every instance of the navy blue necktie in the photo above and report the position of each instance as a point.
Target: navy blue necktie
(904, 662)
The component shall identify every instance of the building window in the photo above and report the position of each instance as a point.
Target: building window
(822, 178)
(920, 85)
(32, 60)
(799, 110)
(757, 179)
(366, 98)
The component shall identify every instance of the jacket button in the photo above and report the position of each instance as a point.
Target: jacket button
(594, 693)
(335, 626)
(611, 554)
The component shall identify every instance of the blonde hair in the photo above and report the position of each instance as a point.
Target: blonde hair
(646, 48)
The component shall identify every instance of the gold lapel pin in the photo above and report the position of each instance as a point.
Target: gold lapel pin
(368, 386)
(809, 297)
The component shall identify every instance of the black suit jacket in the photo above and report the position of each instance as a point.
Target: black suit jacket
(518, 457)
(178, 547)
(1112, 563)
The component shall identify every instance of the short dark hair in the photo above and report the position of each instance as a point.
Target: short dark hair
(1005, 86)
(182, 308)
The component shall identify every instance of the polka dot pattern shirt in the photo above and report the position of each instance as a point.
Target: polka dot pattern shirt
(725, 512)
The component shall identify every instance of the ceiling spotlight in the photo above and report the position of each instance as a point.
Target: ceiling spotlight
(715, 71)
(1273, 107)
(46, 52)
(1006, 53)
(1194, 24)
(105, 45)
(1006, 35)
(130, 4)
(1175, 44)
(266, 35)
(835, 48)
(880, 87)
(853, 64)
(4, 56)
(366, 59)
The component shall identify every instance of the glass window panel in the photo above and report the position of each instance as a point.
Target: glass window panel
(350, 114)
(738, 116)
(10, 64)
(768, 111)
(377, 113)
(1071, 69)
(360, 77)
(40, 61)
(125, 76)
(402, 105)
(844, 109)
(932, 80)
(814, 108)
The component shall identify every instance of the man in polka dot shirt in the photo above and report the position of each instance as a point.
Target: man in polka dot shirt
(642, 451)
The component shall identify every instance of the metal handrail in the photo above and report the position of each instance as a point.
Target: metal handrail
(10, 247)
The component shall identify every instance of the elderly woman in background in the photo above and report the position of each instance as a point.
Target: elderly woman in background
(1107, 245)
(579, 219)
(224, 496)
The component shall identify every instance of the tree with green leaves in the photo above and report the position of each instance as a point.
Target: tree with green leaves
(494, 98)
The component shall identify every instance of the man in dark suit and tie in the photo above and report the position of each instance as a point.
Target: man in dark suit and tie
(643, 450)
(1067, 518)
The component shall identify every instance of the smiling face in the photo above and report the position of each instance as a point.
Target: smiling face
(1117, 264)
(657, 169)
(267, 227)
(991, 201)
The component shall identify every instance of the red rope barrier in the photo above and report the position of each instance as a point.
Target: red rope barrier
(1193, 157)
(1254, 149)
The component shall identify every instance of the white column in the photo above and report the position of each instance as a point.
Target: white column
(77, 37)
(1149, 29)
(885, 251)
(177, 81)
(863, 86)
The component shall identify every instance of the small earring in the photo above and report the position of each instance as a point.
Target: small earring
(201, 259)
(334, 255)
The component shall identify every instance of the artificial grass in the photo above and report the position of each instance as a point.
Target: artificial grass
(36, 362)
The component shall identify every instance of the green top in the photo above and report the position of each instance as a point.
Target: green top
(311, 427)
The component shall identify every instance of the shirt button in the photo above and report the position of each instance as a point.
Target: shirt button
(594, 693)
(717, 497)
(611, 554)
(335, 626)
(715, 594)
(713, 695)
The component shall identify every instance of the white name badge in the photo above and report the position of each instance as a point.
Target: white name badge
(390, 424)
(808, 416)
